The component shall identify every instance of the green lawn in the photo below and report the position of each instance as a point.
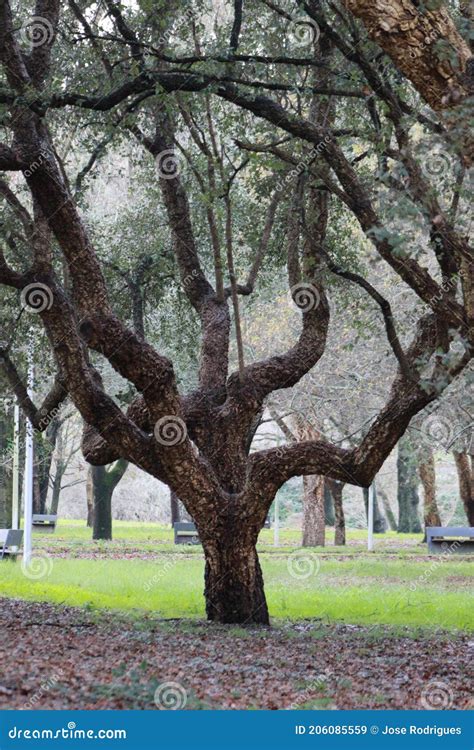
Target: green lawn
(365, 590)
(156, 537)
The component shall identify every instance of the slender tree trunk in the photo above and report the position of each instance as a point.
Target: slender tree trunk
(38, 507)
(102, 528)
(427, 471)
(174, 508)
(407, 494)
(465, 469)
(336, 489)
(60, 470)
(56, 491)
(380, 525)
(90, 498)
(104, 482)
(389, 515)
(329, 509)
(5, 479)
(313, 512)
(233, 580)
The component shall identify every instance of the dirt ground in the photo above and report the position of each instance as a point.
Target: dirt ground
(63, 658)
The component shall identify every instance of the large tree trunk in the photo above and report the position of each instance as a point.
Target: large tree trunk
(407, 493)
(427, 471)
(104, 482)
(417, 36)
(313, 512)
(465, 469)
(233, 580)
(336, 489)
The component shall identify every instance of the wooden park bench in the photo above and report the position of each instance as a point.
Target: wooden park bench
(185, 533)
(44, 524)
(447, 539)
(10, 542)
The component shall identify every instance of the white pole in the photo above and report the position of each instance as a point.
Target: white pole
(276, 524)
(28, 472)
(370, 519)
(16, 469)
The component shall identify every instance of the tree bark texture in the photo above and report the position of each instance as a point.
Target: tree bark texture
(424, 44)
(314, 529)
(427, 472)
(407, 490)
(336, 489)
(465, 469)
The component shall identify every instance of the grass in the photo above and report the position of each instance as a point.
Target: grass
(367, 590)
(74, 535)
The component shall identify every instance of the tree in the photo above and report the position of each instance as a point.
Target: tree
(199, 442)
(407, 487)
(104, 480)
(427, 472)
(5, 475)
(465, 470)
(380, 525)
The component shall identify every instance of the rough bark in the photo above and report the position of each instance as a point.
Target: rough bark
(407, 489)
(234, 589)
(418, 38)
(465, 470)
(314, 530)
(427, 472)
(336, 489)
